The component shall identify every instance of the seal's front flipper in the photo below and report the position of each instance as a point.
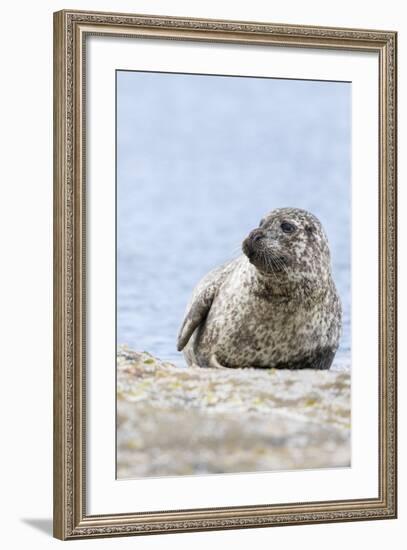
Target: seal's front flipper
(214, 363)
(196, 315)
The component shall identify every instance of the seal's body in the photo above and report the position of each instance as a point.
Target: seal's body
(276, 306)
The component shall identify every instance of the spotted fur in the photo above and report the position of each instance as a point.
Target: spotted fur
(275, 306)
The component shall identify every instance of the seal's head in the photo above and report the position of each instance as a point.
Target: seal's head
(289, 246)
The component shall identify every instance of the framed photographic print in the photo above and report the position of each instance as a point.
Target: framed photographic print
(225, 274)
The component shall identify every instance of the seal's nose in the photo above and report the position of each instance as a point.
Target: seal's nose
(256, 235)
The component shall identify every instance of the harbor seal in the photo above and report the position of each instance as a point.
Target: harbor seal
(275, 306)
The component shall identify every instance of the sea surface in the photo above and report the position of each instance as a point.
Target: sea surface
(200, 160)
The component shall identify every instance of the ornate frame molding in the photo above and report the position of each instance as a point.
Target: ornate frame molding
(70, 518)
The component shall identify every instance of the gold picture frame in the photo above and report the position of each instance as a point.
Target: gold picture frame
(71, 520)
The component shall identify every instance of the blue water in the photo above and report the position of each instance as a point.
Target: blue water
(200, 160)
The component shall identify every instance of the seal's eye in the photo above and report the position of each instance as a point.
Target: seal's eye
(287, 227)
(261, 222)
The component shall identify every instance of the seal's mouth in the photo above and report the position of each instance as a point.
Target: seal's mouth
(261, 255)
(248, 249)
(254, 243)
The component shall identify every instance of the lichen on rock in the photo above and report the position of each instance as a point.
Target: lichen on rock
(174, 421)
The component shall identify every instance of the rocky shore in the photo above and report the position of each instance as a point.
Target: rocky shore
(175, 421)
